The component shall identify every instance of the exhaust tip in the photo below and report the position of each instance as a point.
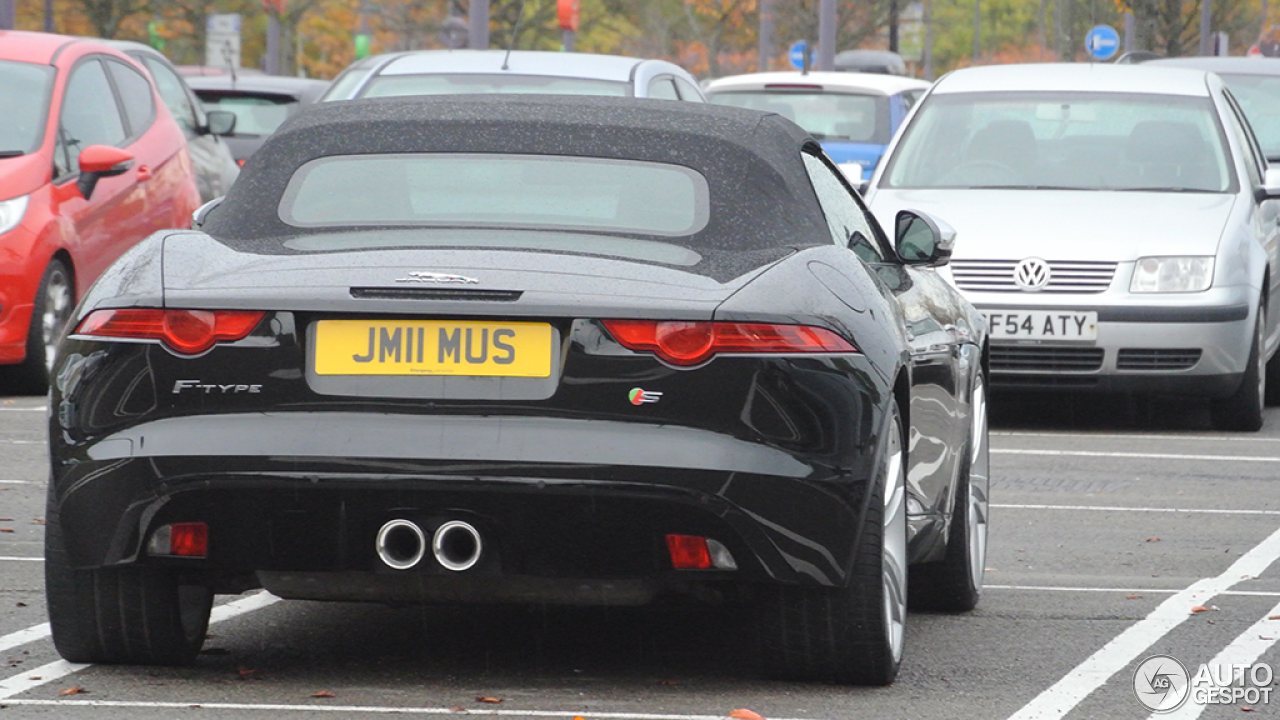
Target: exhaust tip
(456, 545)
(401, 544)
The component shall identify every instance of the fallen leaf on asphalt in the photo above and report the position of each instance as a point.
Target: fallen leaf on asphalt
(6, 519)
(457, 709)
(7, 530)
(22, 604)
(1199, 609)
(35, 677)
(1135, 596)
(487, 699)
(323, 694)
(74, 690)
(38, 521)
(578, 717)
(1245, 708)
(246, 672)
(745, 714)
(1273, 617)
(1153, 538)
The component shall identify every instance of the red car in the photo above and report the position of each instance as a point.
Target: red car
(91, 163)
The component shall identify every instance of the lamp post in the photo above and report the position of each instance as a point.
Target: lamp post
(479, 16)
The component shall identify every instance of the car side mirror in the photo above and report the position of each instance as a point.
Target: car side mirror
(99, 161)
(221, 122)
(1271, 183)
(923, 240)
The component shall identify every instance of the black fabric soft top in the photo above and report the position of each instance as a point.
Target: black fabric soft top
(760, 194)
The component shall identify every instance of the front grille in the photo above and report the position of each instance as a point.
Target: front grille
(1040, 358)
(1153, 359)
(1076, 277)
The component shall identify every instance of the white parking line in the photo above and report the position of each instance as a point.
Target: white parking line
(1143, 456)
(23, 442)
(1154, 591)
(372, 709)
(17, 558)
(1093, 673)
(1247, 647)
(1121, 508)
(22, 409)
(16, 482)
(29, 679)
(22, 637)
(1135, 436)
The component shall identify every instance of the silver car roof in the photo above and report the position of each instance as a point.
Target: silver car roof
(859, 83)
(522, 62)
(1075, 77)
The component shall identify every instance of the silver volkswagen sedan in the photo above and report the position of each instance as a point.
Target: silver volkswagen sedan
(1116, 225)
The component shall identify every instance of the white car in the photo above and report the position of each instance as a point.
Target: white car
(455, 72)
(1116, 224)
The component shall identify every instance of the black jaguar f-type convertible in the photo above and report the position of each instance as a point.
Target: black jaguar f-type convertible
(525, 349)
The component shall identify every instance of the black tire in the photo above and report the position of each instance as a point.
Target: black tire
(1242, 411)
(854, 634)
(125, 615)
(54, 303)
(954, 584)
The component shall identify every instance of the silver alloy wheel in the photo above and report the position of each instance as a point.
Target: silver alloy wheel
(57, 310)
(894, 563)
(979, 484)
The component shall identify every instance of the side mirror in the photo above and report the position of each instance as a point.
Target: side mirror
(99, 161)
(923, 240)
(1271, 183)
(202, 213)
(221, 122)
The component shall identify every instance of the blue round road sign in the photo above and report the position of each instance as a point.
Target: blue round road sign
(796, 54)
(1102, 42)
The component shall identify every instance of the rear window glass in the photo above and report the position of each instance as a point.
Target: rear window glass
(26, 103)
(255, 114)
(467, 84)
(825, 115)
(480, 190)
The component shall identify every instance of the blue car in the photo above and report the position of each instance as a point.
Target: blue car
(853, 115)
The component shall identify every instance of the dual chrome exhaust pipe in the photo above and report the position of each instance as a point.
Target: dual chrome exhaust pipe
(456, 545)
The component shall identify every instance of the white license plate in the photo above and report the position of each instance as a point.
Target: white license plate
(1042, 324)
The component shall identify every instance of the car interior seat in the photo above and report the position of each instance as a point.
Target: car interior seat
(1163, 154)
(1010, 143)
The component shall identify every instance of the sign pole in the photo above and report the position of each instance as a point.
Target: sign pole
(827, 35)
(8, 14)
(479, 16)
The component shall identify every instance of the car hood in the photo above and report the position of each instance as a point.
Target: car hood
(22, 175)
(1068, 224)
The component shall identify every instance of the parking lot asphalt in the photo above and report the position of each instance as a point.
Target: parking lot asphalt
(1120, 529)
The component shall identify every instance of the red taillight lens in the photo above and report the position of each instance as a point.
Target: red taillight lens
(689, 552)
(240, 162)
(691, 343)
(189, 539)
(189, 332)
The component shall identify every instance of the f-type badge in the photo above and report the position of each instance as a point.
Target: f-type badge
(444, 278)
(643, 397)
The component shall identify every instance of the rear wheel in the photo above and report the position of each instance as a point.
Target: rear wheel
(955, 583)
(852, 634)
(127, 615)
(55, 300)
(1243, 409)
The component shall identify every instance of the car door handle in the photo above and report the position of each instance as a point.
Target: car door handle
(144, 173)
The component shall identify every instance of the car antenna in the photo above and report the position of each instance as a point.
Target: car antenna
(515, 33)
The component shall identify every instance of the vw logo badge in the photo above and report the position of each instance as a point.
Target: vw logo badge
(1031, 274)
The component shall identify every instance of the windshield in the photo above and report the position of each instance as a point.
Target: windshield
(825, 115)
(401, 85)
(1075, 141)
(255, 114)
(27, 87)
(514, 191)
(1259, 97)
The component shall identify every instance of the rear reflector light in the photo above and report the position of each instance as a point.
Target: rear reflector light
(691, 343)
(189, 332)
(693, 552)
(182, 539)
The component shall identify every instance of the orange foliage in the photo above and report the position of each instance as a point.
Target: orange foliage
(1012, 54)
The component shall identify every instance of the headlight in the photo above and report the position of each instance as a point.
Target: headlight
(1172, 274)
(11, 212)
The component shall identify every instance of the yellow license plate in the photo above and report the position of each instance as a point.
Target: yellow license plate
(409, 347)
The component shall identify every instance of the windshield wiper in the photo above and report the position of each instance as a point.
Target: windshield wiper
(1027, 187)
(1162, 189)
(11, 153)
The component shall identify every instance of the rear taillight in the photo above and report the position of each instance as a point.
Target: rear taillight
(189, 539)
(188, 332)
(691, 343)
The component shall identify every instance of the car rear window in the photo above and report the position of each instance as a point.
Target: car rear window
(467, 84)
(828, 116)
(27, 89)
(258, 114)
(480, 190)
(1058, 140)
